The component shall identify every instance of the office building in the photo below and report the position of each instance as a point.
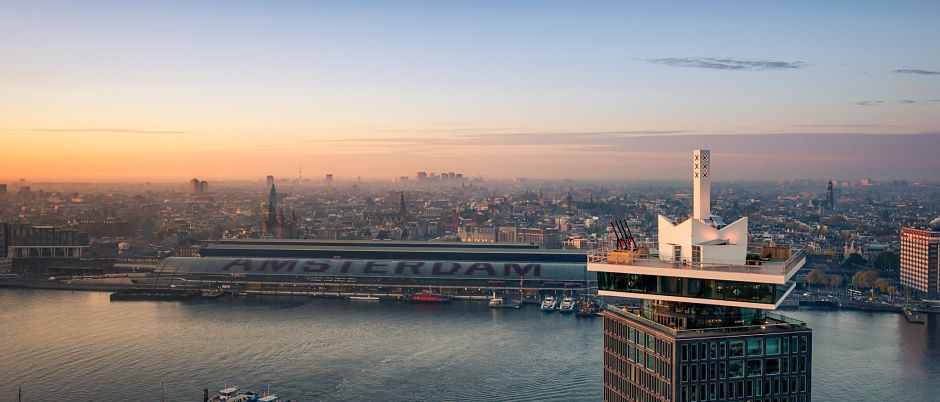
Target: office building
(703, 331)
(920, 261)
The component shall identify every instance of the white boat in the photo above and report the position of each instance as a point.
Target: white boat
(495, 301)
(549, 304)
(366, 298)
(568, 305)
(499, 302)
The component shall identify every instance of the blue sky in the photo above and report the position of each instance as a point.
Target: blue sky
(304, 81)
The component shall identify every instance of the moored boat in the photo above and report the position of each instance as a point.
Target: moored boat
(549, 304)
(212, 293)
(500, 302)
(567, 306)
(587, 308)
(427, 296)
(364, 298)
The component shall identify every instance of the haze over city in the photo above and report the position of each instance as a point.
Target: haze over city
(130, 91)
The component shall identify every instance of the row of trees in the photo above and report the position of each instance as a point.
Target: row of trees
(861, 279)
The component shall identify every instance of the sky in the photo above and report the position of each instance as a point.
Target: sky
(170, 90)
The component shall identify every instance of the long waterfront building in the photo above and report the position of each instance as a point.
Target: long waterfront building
(391, 268)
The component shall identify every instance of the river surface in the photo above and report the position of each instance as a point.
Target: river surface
(78, 346)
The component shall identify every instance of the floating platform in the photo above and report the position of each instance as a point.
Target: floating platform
(154, 295)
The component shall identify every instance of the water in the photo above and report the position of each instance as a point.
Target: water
(79, 346)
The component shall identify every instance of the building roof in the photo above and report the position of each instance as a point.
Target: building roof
(411, 268)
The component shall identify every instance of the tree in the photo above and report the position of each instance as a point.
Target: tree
(887, 261)
(882, 285)
(817, 277)
(865, 279)
(853, 260)
(835, 281)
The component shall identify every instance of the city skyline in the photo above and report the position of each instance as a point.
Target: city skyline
(112, 91)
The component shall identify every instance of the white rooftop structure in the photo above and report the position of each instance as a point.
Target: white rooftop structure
(702, 248)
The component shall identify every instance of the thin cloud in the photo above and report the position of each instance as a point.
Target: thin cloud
(916, 71)
(95, 130)
(27, 74)
(870, 103)
(728, 63)
(846, 125)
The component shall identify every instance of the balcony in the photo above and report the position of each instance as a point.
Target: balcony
(606, 259)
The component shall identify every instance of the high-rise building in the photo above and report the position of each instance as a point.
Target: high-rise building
(269, 181)
(203, 187)
(194, 186)
(703, 331)
(421, 176)
(830, 197)
(920, 261)
(3, 188)
(329, 179)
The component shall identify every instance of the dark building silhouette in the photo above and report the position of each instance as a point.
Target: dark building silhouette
(830, 197)
(275, 222)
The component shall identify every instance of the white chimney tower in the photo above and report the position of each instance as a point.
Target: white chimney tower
(701, 184)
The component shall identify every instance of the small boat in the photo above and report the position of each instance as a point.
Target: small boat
(499, 302)
(212, 293)
(549, 304)
(364, 298)
(587, 308)
(233, 394)
(427, 296)
(913, 316)
(568, 305)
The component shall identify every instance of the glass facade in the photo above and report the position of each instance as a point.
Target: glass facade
(750, 292)
(757, 367)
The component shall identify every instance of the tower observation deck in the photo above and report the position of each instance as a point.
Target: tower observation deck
(703, 331)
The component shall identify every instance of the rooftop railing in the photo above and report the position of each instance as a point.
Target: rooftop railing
(772, 321)
(613, 256)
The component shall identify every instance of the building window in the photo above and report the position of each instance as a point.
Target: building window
(713, 350)
(736, 348)
(722, 350)
(754, 347)
(772, 366)
(772, 346)
(754, 368)
(735, 369)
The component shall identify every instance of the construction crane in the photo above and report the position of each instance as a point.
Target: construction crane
(625, 240)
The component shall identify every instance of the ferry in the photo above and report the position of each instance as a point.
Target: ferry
(364, 298)
(427, 296)
(549, 304)
(568, 305)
